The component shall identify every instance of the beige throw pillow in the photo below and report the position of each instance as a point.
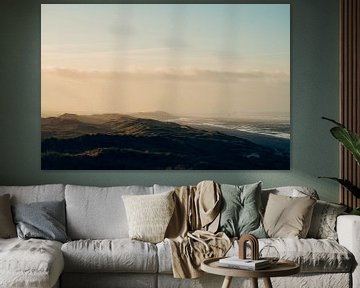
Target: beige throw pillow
(149, 215)
(7, 226)
(288, 217)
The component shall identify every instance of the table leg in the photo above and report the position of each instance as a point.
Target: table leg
(227, 282)
(267, 283)
(254, 282)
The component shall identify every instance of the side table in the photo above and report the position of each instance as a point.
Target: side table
(281, 268)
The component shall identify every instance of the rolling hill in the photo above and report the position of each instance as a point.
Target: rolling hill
(116, 141)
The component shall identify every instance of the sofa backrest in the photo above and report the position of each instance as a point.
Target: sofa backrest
(36, 193)
(98, 212)
(163, 188)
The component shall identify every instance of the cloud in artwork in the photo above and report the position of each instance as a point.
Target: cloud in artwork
(175, 74)
(177, 91)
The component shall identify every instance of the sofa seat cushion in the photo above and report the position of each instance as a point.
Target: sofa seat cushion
(313, 255)
(30, 263)
(115, 255)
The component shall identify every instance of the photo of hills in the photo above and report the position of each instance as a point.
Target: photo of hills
(165, 87)
(145, 141)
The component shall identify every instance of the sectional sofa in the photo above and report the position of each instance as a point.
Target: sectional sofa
(101, 254)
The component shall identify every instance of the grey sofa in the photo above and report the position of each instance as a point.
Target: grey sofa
(101, 254)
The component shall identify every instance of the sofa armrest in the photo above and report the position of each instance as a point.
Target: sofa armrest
(348, 230)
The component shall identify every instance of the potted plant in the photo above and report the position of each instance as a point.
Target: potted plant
(351, 141)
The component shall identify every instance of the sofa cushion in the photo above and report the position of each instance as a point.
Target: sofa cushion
(313, 255)
(163, 188)
(36, 193)
(287, 216)
(323, 222)
(7, 226)
(43, 220)
(164, 257)
(117, 255)
(98, 213)
(291, 191)
(30, 263)
(149, 215)
(240, 210)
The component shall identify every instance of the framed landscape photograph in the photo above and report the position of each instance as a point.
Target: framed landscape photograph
(165, 86)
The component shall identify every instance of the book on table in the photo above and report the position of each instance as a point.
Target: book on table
(236, 262)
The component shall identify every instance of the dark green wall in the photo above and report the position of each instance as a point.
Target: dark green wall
(314, 93)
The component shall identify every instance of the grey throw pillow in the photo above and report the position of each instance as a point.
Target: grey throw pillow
(323, 222)
(44, 220)
(240, 213)
(7, 227)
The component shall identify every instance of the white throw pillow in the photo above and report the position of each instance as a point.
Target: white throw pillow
(149, 215)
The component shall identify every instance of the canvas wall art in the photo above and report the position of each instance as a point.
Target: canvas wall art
(178, 87)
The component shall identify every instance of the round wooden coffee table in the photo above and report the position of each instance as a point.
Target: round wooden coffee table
(281, 268)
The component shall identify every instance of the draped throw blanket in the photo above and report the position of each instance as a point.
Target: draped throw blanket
(191, 231)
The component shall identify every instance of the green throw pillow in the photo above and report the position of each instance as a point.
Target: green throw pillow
(240, 213)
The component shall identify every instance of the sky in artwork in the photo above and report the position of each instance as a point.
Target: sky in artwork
(197, 60)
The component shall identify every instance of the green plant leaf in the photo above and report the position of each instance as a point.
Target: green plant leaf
(333, 121)
(348, 138)
(355, 211)
(347, 184)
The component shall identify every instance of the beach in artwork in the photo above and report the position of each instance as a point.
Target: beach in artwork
(177, 87)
